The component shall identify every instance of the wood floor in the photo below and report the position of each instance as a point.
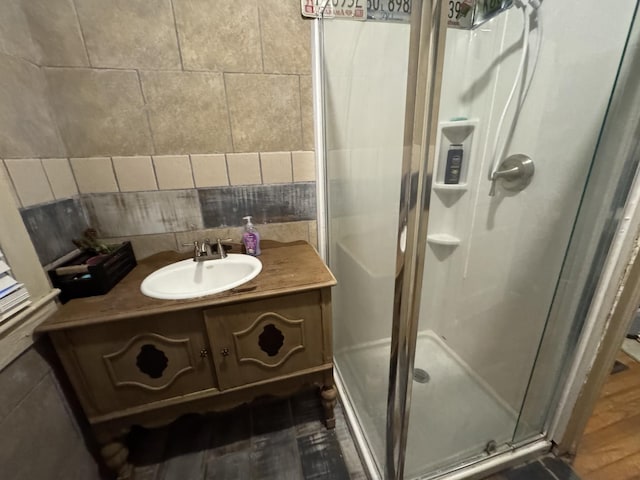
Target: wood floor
(610, 448)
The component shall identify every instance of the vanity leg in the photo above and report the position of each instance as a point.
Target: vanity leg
(115, 455)
(328, 395)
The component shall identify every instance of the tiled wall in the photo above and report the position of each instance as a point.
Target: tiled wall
(139, 196)
(40, 437)
(125, 96)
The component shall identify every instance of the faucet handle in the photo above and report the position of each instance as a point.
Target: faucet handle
(221, 251)
(195, 244)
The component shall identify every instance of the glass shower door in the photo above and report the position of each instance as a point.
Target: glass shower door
(491, 263)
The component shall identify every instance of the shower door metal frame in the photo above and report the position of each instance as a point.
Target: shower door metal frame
(426, 59)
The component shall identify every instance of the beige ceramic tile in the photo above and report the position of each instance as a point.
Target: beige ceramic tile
(284, 232)
(94, 175)
(5, 173)
(188, 112)
(135, 174)
(147, 245)
(276, 167)
(60, 176)
(30, 181)
(223, 233)
(304, 166)
(99, 112)
(129, 33)
(56, 32)
(15, 37)
(173, 172)
(306, 101)
(27, 128)
(244, 168)
(313, 234)
(286, 37)
(209, 170)
(219, 36)
(265, 112)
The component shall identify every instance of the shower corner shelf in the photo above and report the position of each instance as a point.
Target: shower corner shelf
(443, 239)
(455, 187)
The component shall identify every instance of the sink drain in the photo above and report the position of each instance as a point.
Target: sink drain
(420, 375)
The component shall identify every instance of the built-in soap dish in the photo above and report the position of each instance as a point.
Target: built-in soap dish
(443, 239)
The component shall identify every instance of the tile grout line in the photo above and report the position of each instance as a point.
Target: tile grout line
(147, 114)
(82, 35)
(261, 42)
(226, 102)
(175, 26)
(46, 175)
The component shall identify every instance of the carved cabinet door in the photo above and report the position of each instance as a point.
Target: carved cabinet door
(139, 361)
(263, 339)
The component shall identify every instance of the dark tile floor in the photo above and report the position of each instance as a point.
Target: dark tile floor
(277, 439)
(274, 439)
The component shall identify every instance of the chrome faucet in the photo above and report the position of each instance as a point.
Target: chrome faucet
(202, 250)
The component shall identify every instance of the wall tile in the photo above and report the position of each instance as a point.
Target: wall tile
(142, 213)
(286, 37)
(27, 128)
(219, 36)
(284, 232)
(52, 226)
(234, 233)
(188, 112)
(306, 99)
(40, 424)
(313, 234)
(264, 111)
(4, 172)
(304, 166)
(244, 168)
(15, 37)
(278, 203)
(276, 167)
(30, 181)
(60, 176)
(129, 33)
(209, 170)
(55, 30)
(94, 175)
(19, 378)
(135, 174)
(173, 172)
(147, 245)
(99, 112)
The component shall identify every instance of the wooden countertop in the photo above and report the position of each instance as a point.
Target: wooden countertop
(286, 268)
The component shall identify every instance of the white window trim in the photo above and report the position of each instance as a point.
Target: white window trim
(16, 334)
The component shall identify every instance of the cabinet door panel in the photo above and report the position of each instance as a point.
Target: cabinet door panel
(140, 361)
(264, 339)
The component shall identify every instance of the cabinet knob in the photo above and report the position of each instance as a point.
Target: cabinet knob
(225, 352)
(204, 353)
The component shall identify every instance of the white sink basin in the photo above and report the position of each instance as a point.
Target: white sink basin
(189, 279)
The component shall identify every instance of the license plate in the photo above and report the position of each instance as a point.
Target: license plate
(389, 10)
(352, 9)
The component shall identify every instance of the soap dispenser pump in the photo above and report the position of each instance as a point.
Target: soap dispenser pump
(251, 238)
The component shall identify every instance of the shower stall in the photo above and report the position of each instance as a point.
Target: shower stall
(476, 175)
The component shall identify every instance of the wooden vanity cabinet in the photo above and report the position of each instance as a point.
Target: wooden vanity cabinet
(139, 361)
(264, 339)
